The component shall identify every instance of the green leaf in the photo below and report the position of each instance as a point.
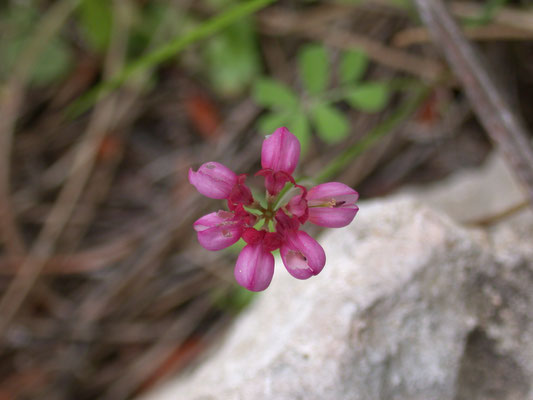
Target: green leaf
(54, 61)
(331, 125)
(96, 18)
(232, 58)
(369, 97)
(268, 123)
(352, 66)
(299, 126)
(314, 68)
(271, 93)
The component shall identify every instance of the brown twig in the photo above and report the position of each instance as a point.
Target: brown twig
(283, 22)
(87, 261)
(419, 35)
(500, 121)
(10, 102)
(9, 231)
(513, 17)
(63, 207)
(159, 351)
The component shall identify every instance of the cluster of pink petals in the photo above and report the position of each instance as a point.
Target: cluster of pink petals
(329, 204)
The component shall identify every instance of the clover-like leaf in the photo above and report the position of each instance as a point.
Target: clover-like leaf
(271, 93)
(331, 124)
(369, 96)
(314, 68)
(352, 66)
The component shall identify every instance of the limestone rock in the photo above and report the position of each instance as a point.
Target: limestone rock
(410, 305)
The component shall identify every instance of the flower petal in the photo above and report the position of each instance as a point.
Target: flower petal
(331, 217)
(213, 180)
(331, 190)
(302, 255)
(218, 230)
(297, 205)
(254, 268)
(280, 151)
(332, 204)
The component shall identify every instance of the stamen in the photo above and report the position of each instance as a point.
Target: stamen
(226, 233)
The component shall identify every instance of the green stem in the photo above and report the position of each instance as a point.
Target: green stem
(165, 52)
(373, 136)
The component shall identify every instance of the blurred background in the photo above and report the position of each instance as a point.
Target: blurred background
(105, 105)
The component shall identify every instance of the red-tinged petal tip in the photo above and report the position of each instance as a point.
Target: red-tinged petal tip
(213, 180)
(280, 151)
(254, 268)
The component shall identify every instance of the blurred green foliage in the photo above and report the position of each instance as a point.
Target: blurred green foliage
(489, 10)
(232, 59)
(96, 20)
(233, 300)
(229, 60)
(16, 26)
(316, 105)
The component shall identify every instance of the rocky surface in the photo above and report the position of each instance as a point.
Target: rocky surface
(411, 305)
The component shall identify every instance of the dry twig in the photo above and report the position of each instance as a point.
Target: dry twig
(283, 22)
(419, 35)
(517, 18)
(64, 205)
(502, 124)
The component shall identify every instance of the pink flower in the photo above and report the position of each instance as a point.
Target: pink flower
(255, 267)
(332, 204)
(240, 193)
(218, 230)
(213, 180)
(275, 180)
(280, 151)
(276, 224)
(297, 205)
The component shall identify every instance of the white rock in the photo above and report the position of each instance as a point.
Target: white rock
(409, 306)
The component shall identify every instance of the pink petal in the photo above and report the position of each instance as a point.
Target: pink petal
(331, 190)
(297, 205)
(332, 217)
(280, 151)
(240, 193)
(332, 204)
(218, 230)
(302, 255)
(213, 180)
(254, 268)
